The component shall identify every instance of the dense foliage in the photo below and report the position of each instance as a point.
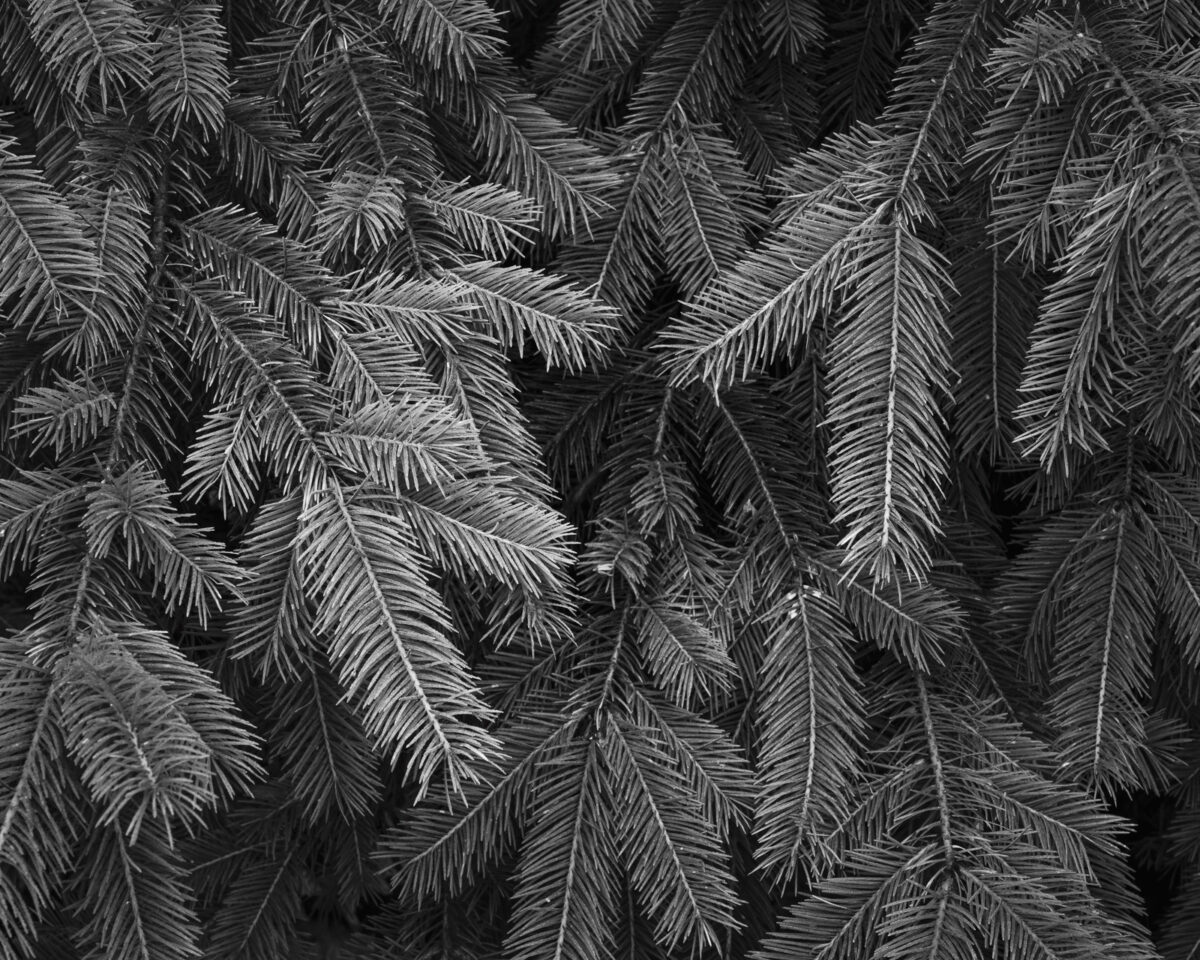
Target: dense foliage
(568, 479)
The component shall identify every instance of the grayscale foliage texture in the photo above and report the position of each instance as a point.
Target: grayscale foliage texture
(598, 479)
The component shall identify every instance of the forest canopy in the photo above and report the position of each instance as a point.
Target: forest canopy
(580, 479)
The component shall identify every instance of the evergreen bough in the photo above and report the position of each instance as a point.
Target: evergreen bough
(563, 479)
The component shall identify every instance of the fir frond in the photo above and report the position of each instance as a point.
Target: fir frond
(376, 288)
(568, 329)
(618, 551)
(765, 306)
(1031, 149)
(1174, 528)
(682, 654)
(888, 368)
(463, 360)
(714, 767)
(479, 387)
(989, 322)
(674, 865)
(1071, 824)
(1172, 179)
(224, 456)
(20, 364)
(115, 218)
(189, 570)
(471, 526)
(1161, 407)
(931, 923)
(921, 623)
(1085, 317)
(328, 761)
(529, 151)
(448, 35)
(811, 721)
(350, 63)
(375, 370)
(283, 279)
(790, 28)
(404, 446)
(230, 743)
(189, 53)
(263, 151)
(775, 118)
(759, 472)
(1102, 646)
(1182, 937)
(565, 898)
(192, 696)
(1027, 918)
(663, 497)
(30, 502)
(865, 41)
(95, 43)
(268, 399)
(592, 35)
(360, 215)
(25, 69)
(387, 640)
(937, 99)
(52, 270)
(135, 896)
(634, 934)
(620, 258)
(258, 916)
(138, 756)
(963, 873)
(414, 311)
(696, 68)
(274, 624)
(39, 818)
(436, 849)
(711, 204)
(838, 919)
(148, 372)
(65, 417)
(487, 219)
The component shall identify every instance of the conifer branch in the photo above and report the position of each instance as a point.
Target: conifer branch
(854, 342)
